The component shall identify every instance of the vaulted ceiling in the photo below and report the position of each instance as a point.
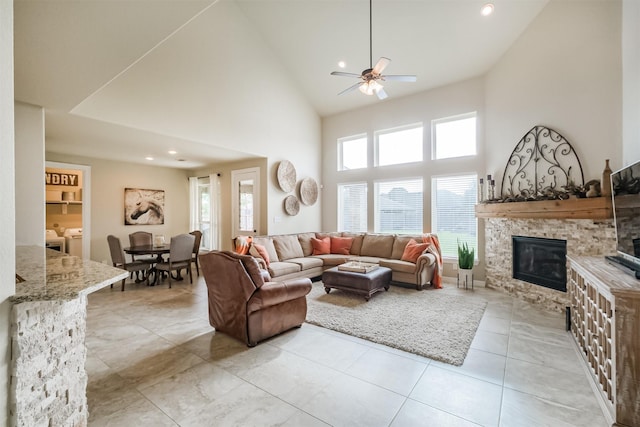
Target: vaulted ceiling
(123, 80)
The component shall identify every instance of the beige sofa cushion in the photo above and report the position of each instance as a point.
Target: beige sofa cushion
(287, 246)
(267, 242)
(277, 269)
(377, 245)
(305, 242)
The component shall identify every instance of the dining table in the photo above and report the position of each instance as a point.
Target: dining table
(158, 251)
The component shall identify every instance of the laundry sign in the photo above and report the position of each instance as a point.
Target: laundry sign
(55, 178)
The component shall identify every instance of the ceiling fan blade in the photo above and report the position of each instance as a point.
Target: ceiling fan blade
(340, 73)
(400, 78)
(381, 93)
(350, 88)
(381, 65)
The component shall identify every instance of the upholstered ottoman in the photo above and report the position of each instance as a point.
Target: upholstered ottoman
(365, 284)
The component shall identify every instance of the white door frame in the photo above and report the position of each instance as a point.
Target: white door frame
(86, 202)
(236, 177)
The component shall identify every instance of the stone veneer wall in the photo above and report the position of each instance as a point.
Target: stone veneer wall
(48, 378)
(583, 236)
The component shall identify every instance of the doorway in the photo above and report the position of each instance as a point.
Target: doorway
(245, 201)
(68, 203)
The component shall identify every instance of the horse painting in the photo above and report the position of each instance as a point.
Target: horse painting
(143, 207)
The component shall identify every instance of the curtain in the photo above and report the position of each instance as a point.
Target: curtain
(194, 204)
(215, 211)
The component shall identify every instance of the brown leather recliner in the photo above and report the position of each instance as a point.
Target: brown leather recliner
(244, 305)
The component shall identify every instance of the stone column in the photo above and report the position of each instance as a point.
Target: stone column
(48, 377)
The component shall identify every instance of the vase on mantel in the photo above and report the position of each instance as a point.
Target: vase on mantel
(605, 187)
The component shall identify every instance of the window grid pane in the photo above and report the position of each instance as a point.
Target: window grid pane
(353, 153)
(398, 207)
(352, 207)
(453, 214)
(454, 137)
(398, 147)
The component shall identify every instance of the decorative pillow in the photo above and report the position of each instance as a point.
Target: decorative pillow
(242, 244)
(321, 246)
(341, 245)
(413, 250)
(260, 251)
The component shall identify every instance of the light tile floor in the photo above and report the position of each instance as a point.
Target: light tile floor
(154, 360)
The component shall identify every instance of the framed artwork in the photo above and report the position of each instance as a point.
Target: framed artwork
(143, 207)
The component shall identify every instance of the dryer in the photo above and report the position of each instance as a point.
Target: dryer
(73, 241)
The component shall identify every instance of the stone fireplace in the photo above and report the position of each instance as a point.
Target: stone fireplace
(562, 220)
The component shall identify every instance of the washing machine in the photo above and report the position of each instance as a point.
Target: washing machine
(53, 241)
(73, 241)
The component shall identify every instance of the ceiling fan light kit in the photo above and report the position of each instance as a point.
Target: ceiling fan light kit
(371, 77)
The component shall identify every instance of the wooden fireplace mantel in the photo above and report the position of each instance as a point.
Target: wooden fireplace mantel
(588, 208)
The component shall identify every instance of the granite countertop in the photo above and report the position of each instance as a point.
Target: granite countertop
(50, 275)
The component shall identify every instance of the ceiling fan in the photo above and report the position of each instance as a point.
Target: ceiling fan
(371, 77)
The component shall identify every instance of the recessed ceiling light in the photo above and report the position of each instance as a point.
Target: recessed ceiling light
(149, 158)
(172, 151)
(487, 9)
(342, 64)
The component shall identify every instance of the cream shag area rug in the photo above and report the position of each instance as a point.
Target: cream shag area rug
(429, 323)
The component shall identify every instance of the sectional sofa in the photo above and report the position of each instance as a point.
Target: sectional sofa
(292, 255)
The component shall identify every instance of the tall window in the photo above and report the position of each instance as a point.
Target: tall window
(352, 207)
(246, 205)
(454, 136)
(352, 153)
(452, 212)
(399, 146)
(204, 212)
(398, 206)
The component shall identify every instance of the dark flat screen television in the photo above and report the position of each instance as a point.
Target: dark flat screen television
(625, 190)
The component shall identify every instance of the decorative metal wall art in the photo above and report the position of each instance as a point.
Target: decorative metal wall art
(543, 165)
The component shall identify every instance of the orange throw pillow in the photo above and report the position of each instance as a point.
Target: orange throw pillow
(242, 244)
(321, 246)
(261, 252)
(341, 245)
(413, 250)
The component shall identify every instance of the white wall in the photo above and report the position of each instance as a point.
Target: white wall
(564, 72)
(7, 197)
(630, 81)
(108, 181)
(252, 105)
(30, 186)
(459, 98)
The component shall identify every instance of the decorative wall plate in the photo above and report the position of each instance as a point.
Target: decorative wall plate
(308, 191)
(291, 205)
(286, 176)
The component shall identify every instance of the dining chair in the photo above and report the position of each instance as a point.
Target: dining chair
(141, 238)
(180, 253)
(119, 261)
(196, 249)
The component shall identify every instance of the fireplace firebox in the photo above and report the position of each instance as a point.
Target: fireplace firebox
(540, 261)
